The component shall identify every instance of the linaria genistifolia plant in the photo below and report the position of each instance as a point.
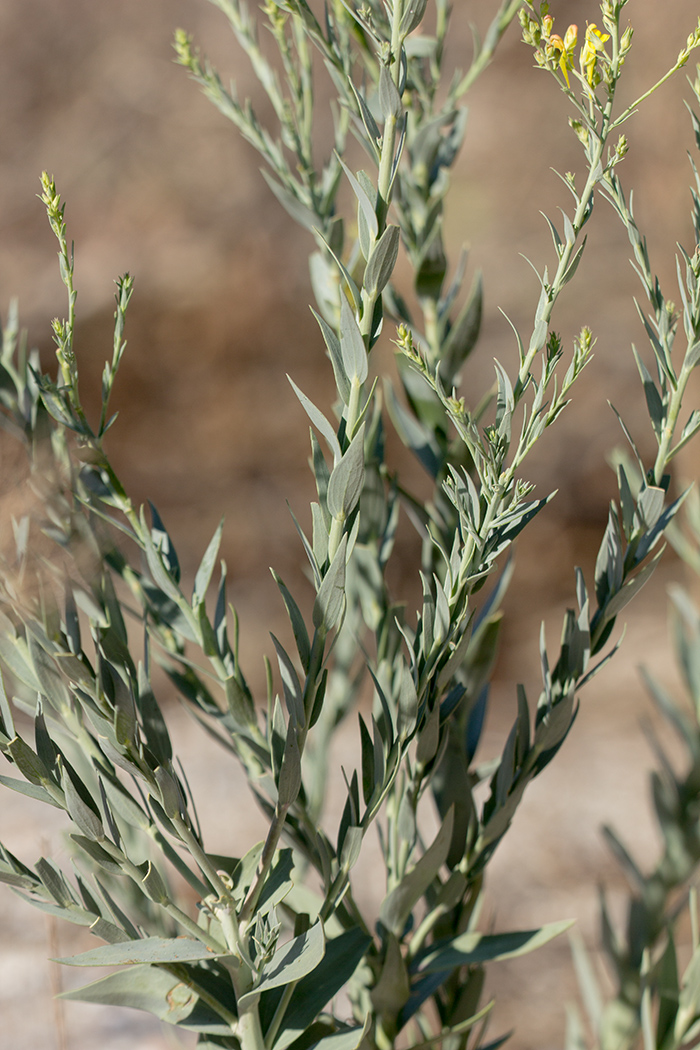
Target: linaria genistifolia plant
(277, 933)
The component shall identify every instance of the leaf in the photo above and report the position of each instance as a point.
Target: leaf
(573, 265)
(347, 478)
(15, 659)
(609, 566)
(343, 956)
(414, 434)
(291, 203)
(206, 567)
(393, 988)
(80, 813)
(290, 963)
(373, 132)
(319, 420)
(666, 974)
(412, 16)
(365, 204)
(382, 261)
(347, 1039)
(289, 781)
(655, 405)
(462, 336)
(342, 380)
(156, 565)
(631, 587)
(468, 949)
(399, 904)
(429, 737)
(52, 685)
(24, 787)
(278, 882)
(389, 98)
(155, 991)
(99, 855)
(689, 999)
(30, 765)
(301, 635)
(650, 505)
(146, 950)
(154, 727)
(330, 599)
(352, 345)
(290, 683)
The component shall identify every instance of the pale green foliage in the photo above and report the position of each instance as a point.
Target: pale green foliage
(278, 932)
(657, 988)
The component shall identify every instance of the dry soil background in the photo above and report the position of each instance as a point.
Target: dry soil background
(158, 184)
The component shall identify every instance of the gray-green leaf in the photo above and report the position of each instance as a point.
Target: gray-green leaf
(347, 478)
(291, 962)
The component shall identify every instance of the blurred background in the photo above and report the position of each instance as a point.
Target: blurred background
(159, 184)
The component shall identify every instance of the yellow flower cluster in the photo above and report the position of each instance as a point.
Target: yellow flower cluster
(557, 53)
(564, 49)
(594, 44)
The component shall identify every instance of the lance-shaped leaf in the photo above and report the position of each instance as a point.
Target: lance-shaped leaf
(382, 261)
(319, 420)
(397, 907)
(462, 335)
(389, 98)
(157, 565)
(278, 882)
(146, 950)
(352, 345)
(289, 782)
(290, 684)
(393, 987)
(365, 204)
(206, 566)
(301, 635)
(290, 963)
(689, 998)
(347, 478)
(155, 991)
(343, 956)
(99, 855)
(342, 380)
(24, 787)
(373, 132)
(345, 1039)
(29, 764)
(82, 814)
(468, 949)
(330, 599)
(52, 685)
(291, 203)
(412, 16)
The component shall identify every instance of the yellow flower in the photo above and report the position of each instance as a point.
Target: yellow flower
(565, 48)
(593, 45)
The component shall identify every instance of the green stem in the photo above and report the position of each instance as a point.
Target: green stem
(136, 875)
(250, 1030)
(630, 109)
(200, 858)
(353, 411)
(674, 408)
(506, 14)
(278, 1015)
(274, 834)
(191, 926)
(389, 136)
